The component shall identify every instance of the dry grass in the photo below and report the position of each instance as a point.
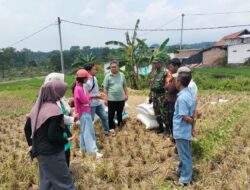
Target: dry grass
(134, 158)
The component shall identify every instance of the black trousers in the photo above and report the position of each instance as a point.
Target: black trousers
(115, 107)
(171, 109)
(67, 156)
(54, 173)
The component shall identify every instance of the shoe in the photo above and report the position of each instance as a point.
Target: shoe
(98, 155)
(160, 130)
(106, 133)
(112, 131)
(178, 183)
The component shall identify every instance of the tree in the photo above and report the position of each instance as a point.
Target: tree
(81, 60)
(7, 57)
(129, 54)
(55, 61)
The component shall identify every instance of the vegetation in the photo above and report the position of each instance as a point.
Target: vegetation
(25, 63)
(134, 158)
(136, 53)
(223, 78)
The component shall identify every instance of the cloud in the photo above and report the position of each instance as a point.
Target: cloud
(20, 18)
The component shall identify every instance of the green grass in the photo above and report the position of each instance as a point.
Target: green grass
(225, 71)
(223, 78)
(205, 146)
(29, 89)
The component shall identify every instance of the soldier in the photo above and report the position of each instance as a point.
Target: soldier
(158, 94)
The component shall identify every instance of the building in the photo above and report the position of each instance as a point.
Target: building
(213, 56)
(185, 54)
(226, 40)
(207, 57)
(238, 50)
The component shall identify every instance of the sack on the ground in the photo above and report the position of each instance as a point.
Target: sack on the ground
(145, 112)
(149, 123)
(146, 108)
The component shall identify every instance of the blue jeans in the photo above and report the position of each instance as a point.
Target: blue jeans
(87, 134)
(185, 165)
(99, 110)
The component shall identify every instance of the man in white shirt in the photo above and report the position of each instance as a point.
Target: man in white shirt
(96, 105)
(192, 85)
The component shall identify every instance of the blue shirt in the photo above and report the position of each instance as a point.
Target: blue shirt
(184, 105)
(95, 91)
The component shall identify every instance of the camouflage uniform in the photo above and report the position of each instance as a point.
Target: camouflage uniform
(158, 95)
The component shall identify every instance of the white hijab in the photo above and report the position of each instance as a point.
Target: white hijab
(60, 77)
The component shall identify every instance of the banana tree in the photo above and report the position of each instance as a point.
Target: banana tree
(131, 55)
(81, 60)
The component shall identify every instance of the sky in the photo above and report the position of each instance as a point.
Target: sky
(21, 18)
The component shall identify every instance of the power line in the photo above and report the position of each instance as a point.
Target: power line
(168, 22)
(217, 13)
(33, 34)
(154, 30)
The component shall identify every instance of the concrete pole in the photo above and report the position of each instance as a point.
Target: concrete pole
(182, 21)
(61, 50)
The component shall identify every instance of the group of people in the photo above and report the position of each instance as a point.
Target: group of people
(47, 128)
(174, 97)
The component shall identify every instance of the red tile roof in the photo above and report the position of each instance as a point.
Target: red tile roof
(231, 36)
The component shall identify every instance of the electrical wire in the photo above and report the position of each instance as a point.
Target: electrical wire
(154, 30)
(33, 34)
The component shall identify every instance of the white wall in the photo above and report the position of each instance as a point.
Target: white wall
(237, 54)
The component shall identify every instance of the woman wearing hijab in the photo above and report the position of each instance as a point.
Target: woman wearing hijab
(65, 108)
(82, 109)
(44, 130)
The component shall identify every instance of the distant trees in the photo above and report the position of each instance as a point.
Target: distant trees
(15, 62)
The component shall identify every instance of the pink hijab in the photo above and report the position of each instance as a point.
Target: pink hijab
(45, 106)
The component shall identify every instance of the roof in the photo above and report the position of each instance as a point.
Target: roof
(186, 53)
(231, 36)
(214, 47)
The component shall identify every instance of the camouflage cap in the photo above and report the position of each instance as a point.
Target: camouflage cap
(181, 70)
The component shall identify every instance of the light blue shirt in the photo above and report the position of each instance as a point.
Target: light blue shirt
(95, 91)
(184, 105)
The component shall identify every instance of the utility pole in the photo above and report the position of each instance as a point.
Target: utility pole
(182, 21)
(61, 50)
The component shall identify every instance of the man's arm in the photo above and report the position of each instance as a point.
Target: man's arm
(105, 91)
(126, 93)
(188, 119)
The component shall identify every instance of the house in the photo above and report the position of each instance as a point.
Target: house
(235, 48)
(227, 39)
(214, 55)
(207, 57)
(185, 54)
(238, 49)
